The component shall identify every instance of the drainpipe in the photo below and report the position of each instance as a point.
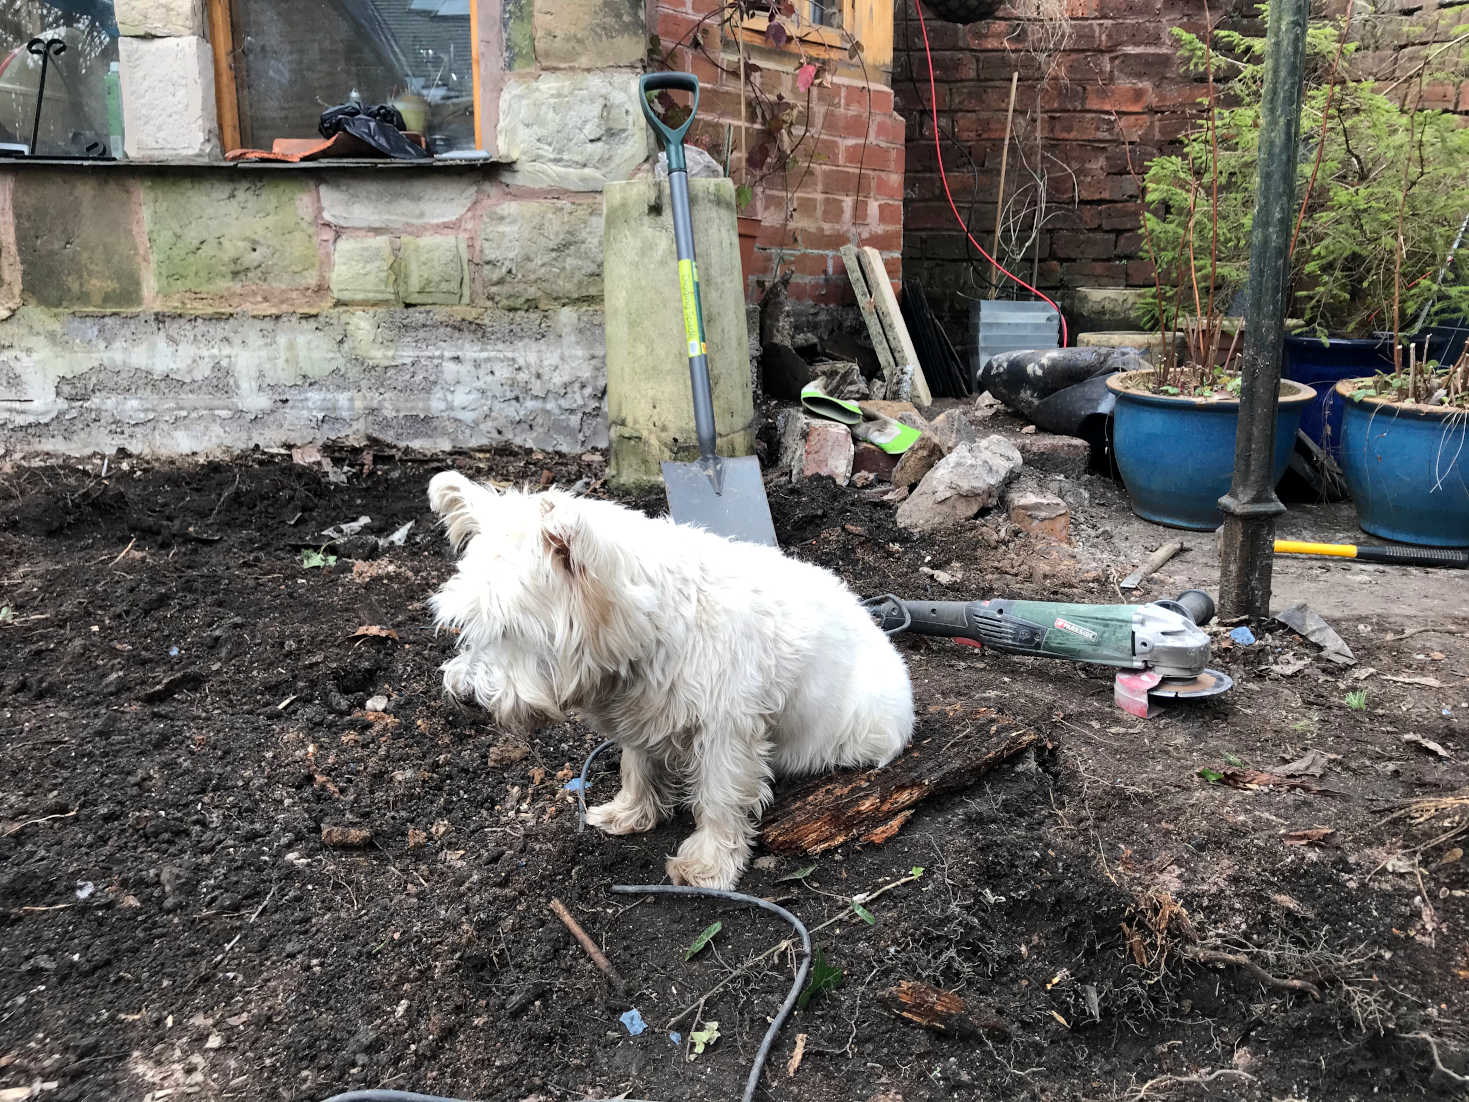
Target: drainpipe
(1247, 539)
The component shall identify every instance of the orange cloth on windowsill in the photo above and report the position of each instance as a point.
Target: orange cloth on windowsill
(338, 146)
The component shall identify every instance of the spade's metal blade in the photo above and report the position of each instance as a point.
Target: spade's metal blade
(724, 496)
(1208, 683)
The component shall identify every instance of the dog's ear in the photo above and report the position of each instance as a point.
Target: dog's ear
(562, 533)
(456, 501)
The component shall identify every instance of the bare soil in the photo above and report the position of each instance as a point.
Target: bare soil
(184, 729)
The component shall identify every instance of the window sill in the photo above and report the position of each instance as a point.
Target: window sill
(820, 41)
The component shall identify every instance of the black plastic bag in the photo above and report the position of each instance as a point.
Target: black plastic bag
(380, 126)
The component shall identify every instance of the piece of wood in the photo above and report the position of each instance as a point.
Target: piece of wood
(871, 21)
(888, 312)
(941, 1011)
(477, 77)
(869, 315)
(872, 805)
(1150, 565)
(226, 92)
(1004, 166)
(583, 939)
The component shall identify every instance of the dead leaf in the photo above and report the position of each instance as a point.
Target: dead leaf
(795, 1061)
(1427, 744)
(537, 775)
(1362, 674)
(308, 455)
(345, 837)
(1312, 765)
(943, 577)
(440, 828)
(416, 838)
(1436, 655)
(507, 752)
(364, 570)
(1248, 779)
(374, 631)
(1426, 682)
(1452, 857)
(1308, 836)
(1290, 903)
(1289, 665)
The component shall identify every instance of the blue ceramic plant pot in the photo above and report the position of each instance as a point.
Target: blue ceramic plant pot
(1407, 467)
(1321, 364)
(1176, 452)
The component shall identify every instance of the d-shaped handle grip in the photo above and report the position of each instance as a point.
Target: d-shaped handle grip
(672, 138)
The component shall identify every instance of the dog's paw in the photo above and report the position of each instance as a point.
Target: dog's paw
(700, 865)
(616, 817)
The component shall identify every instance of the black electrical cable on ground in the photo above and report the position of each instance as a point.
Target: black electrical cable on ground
(581, 792)
(739, 897)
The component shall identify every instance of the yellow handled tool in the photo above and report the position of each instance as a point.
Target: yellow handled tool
(1390, 556)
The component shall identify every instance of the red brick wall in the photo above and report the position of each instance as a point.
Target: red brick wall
(808, 212)
(1400, 35)
(1115, 76)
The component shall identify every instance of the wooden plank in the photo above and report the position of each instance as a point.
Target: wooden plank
(871, 23)
(872, 805)
(226, 91)
(478, 76)
(940, 1011)
(869, 315)
(891, 316)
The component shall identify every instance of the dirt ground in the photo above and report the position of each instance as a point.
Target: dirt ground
(184, 693)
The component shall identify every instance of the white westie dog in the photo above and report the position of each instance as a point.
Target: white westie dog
(713, 664)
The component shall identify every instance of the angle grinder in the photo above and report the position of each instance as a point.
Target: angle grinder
(1160, 649)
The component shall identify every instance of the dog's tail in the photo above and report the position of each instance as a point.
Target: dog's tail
(458, 503)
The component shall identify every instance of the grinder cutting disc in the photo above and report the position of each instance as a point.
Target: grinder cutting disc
(1208, 683)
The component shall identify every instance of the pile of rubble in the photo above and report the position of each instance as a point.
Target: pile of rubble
(970, 457)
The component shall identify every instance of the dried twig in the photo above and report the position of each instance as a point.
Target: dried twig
(1438, 1066)
(599, 958)
(1188, 1080)
(123, 553)
(1215, 956)
(18, 827)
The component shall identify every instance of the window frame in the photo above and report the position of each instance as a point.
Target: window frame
(861, 20)
(226, 79)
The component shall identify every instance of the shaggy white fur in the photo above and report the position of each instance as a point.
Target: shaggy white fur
(713, 664)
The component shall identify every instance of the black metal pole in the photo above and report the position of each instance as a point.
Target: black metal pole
(1250, 508)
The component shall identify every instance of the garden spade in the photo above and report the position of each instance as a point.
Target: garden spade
(724, 495)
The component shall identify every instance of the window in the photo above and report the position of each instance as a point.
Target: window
(82, 112)
(292, 59)
(826, 27)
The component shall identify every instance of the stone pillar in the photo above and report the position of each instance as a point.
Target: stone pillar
(167, 72)
(650, 407)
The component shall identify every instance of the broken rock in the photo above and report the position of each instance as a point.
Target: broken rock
(1040, 514)
(917, 461)
(968, 479)
(870, 459)
(811, 447)
(952, 429)
(903, 412)
(842, 380)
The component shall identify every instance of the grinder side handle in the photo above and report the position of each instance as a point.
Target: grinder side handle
(948, 619)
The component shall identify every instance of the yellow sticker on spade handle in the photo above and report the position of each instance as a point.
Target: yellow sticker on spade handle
(688, 277)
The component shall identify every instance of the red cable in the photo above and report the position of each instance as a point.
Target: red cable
(943, 176)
